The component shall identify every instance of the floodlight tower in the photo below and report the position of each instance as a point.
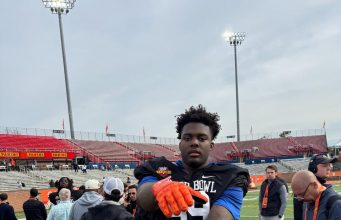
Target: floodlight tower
(235, 39)
(63, 7)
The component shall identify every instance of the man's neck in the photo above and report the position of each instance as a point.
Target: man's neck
(190, 170)
(321, 180)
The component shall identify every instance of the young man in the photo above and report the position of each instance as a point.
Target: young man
(6, 210)
(321, 166)
(316, 197)
(273, 196)
(167, 190)
(64, 182)
(132, 197)
(33, 208)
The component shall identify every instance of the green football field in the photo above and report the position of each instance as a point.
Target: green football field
(250, 204)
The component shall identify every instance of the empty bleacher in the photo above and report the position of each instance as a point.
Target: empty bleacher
(157, 150)
(107, 151)
(259, 169)
(40, 178)
(33, 143)
(295, 165)
(265, 148)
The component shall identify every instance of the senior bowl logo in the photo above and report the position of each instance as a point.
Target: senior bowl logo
(163, 171)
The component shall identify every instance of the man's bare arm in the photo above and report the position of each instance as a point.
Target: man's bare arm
(145, 197)
(219, 213)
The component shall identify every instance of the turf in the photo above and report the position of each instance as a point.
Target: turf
(250, 205)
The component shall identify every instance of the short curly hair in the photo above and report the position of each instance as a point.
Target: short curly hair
(199, 115)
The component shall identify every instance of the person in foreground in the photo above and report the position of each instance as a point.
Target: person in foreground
(321, 166)
(320, 202)
(90, 198)
(273, 195)
(33, 208)
(6, 210)
(110, 208)
(191, 188)
(62, 209)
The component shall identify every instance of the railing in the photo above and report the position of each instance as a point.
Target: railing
(81, 135)
(93, 136)
(272, 135)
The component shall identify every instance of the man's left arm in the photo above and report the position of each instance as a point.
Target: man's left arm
(218, 212)
(228, 205)
(283, 197)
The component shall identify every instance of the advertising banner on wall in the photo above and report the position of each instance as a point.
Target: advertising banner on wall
(37, 155)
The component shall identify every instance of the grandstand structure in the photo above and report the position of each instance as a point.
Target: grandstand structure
(38, 153)
(16, 144)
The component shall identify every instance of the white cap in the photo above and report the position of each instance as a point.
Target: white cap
(113, 183)
(92, 184)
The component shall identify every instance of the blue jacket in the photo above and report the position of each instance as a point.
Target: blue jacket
(7, 212)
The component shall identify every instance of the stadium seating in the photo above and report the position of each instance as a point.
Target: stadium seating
(259, 169)
(30, 142)
(108, 151)
(265, 148)
(157, 150)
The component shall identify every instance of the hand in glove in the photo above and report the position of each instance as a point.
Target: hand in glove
(175, 197)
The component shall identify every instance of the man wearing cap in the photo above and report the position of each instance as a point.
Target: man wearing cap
(321, 166)
(33, 208)
(90, 198)
(6, 210)
(110, 208)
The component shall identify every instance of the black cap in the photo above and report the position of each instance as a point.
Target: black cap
(322, 159)
(34, 192)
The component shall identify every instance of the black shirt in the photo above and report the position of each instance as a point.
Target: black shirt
(211, 180)
(34, 210)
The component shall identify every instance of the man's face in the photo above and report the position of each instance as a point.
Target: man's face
(64, 183)
(307, 193)
(270, 174)
(323, 170)
(132, 194)
(195, 145)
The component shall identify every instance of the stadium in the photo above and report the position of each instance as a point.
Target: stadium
(34, 157)
(134, 67)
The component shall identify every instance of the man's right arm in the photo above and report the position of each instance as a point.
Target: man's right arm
(145, 198)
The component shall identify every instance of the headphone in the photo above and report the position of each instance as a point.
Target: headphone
(312, 164)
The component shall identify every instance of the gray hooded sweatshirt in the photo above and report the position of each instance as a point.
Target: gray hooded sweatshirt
(79, 207)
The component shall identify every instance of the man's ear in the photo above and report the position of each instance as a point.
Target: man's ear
(316, 186)
(211, 146)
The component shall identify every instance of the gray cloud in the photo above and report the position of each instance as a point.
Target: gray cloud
(137, 64)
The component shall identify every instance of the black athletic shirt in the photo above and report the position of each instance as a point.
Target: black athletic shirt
(211, 180)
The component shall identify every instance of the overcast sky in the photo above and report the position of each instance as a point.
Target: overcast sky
(135, 64)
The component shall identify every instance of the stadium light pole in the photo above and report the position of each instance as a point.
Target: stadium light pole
(235, 39)
(63, 7)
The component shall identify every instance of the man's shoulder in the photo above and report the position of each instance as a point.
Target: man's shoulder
(159, 167)
(31, 202)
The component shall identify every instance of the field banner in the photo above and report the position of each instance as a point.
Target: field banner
(37, 155)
